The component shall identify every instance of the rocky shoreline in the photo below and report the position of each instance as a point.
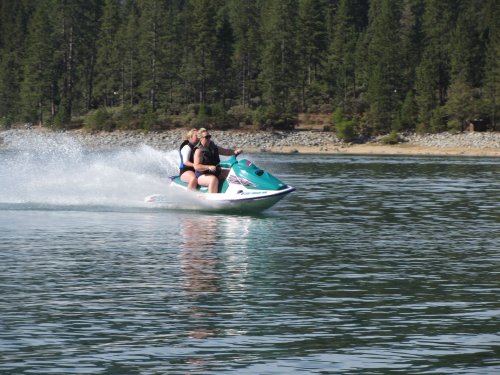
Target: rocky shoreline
(303, 141)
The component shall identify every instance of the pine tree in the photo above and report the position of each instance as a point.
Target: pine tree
(312, 47)
(151, 41)
(38, 67)
(278, 67)
(245, 20)
(409, 112)
(384, 84)
(433, 72)
(91, 13)
(342, 57)
(61, 58)
(169, 76)
(426, 88)
(127, 41)
(467, 50)
(14, 17)
(411, 41)
(108, 62)
(204, 44)
(223, 63)
(467, 60)
(461, 106)
(74, 37)
(491, 80)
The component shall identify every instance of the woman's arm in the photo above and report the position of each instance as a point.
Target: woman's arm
(228, 151)
(199, 166)
(186, 153)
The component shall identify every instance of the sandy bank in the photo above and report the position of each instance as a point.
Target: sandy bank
(304, 141)
(381, 149)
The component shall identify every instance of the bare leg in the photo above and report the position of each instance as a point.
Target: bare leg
(211, 181)
(193, 183)
(191, 179)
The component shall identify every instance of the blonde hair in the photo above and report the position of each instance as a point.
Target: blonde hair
(191, 132)
(202, 130)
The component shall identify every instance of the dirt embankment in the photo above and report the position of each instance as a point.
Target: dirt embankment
(299, 141)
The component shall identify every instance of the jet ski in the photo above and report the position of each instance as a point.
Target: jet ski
(247, 188)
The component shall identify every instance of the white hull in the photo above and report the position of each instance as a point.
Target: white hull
(242, 201)
(246, 189)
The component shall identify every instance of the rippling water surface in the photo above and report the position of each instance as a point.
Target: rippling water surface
(374, 265)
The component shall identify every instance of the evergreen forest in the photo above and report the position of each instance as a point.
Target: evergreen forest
(375, 66)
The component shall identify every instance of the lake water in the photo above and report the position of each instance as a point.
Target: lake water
(374, 265)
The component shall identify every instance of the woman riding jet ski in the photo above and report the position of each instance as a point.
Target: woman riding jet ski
(206, 161)
(232, 184)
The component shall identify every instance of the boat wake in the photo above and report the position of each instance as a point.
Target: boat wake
(54, 172)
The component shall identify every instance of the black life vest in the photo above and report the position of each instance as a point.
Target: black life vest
(183, 168)
(210, 155)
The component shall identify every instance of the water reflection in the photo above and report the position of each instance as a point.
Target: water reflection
(213, 260)
(198, 261)
(213, 246)
(198, 257)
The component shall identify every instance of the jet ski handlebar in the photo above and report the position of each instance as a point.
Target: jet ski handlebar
(227, 164)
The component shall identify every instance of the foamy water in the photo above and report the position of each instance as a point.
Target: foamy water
(56, 170)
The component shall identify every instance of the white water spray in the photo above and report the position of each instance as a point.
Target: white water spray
(55, 170)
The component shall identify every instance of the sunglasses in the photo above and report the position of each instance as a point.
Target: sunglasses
(208, 136)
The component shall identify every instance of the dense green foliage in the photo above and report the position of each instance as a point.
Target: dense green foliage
(384, 65)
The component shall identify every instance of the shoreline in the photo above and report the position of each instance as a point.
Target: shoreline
(291, 142)
(398, 149)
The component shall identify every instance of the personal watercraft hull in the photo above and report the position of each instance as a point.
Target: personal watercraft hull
(241, 200)
(247, 188)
